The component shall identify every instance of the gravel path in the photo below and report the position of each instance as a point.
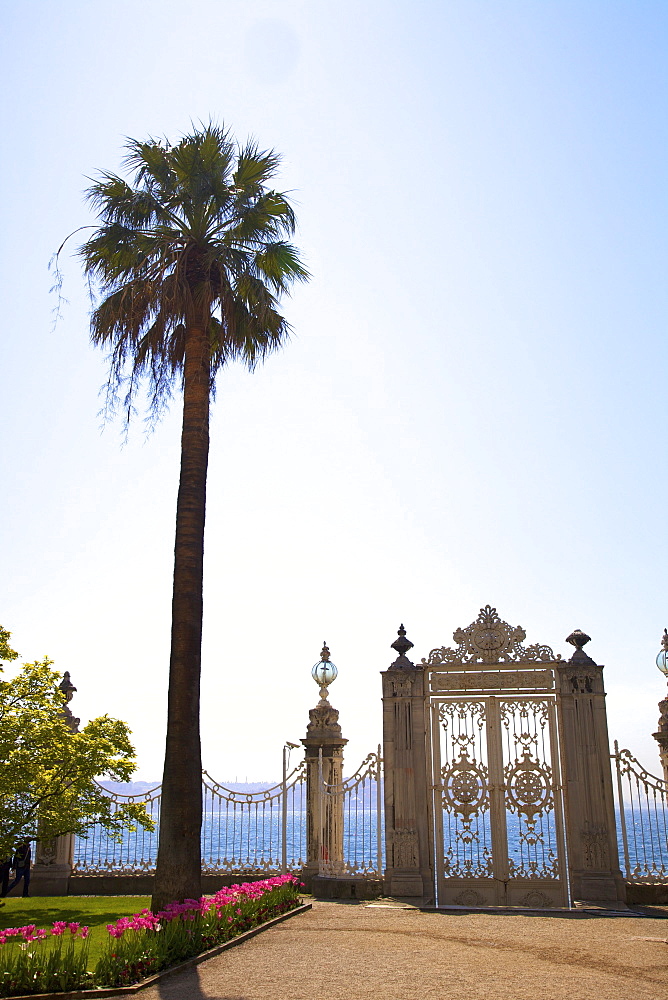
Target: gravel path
(355, 952)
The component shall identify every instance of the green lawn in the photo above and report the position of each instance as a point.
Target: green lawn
(93, 911)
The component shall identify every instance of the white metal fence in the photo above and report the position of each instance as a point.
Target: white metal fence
(264, 831)
(246, 832)
(358, 800)
(642, 820)
(242, 832)
(261, 831)
(135, 854)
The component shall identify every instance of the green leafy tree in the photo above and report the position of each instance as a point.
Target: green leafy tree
(190, 258)
(48, 772)
(6, 651)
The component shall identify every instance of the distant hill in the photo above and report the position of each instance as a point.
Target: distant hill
(142, 787)
(129, 787)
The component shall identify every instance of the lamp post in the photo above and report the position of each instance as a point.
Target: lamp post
(324, 763)
(661, 736)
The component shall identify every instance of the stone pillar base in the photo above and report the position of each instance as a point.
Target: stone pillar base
(346, 887)
(49, 880)
(587, 887)
(405, 885)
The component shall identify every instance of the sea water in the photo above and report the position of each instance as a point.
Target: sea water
(231, 844)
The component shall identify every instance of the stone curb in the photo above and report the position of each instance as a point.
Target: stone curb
(527, 911)
(121, 991)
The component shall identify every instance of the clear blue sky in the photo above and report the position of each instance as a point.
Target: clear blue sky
(473, 406)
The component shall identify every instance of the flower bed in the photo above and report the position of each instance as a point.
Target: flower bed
(35, 960)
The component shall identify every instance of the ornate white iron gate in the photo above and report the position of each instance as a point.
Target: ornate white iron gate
(497, 799)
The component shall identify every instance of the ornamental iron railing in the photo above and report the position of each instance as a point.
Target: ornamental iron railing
(134, 854)
(358, 801)
(242, 831)
(642, 820)
(259, 831)
(245, 832)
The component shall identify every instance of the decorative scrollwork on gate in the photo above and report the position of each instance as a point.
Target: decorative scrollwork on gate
(465, 792)
(530, 711)
(529, 788)
(529, 792)
(498, 815)
(490, 640)
(462, 711)
(464, 789)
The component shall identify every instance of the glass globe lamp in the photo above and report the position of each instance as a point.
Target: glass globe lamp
(324, 672)
(662, 658)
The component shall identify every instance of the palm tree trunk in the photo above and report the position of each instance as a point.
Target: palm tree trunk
(178, 868)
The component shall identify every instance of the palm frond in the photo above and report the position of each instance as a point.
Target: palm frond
(254, 168)
(195, 236)
(280, 265)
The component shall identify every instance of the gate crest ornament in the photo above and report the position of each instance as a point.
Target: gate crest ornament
(465, 793)
(490, 640)
(529, 791)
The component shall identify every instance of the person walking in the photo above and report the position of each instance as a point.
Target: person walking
(21, 862)
(5, 869)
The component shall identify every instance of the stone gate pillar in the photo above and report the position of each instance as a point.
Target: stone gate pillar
(54, 857)
(591, 830)
(661, 736)
(408, 842)
(324, 766)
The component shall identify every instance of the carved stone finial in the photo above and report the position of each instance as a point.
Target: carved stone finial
(578, 638)
(402, 645)
(68, 689)
(323, 721)
(663, 718)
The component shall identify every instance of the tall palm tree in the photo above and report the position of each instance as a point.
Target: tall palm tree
(190, 259)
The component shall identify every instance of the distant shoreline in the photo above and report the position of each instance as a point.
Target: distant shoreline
(141, 787)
